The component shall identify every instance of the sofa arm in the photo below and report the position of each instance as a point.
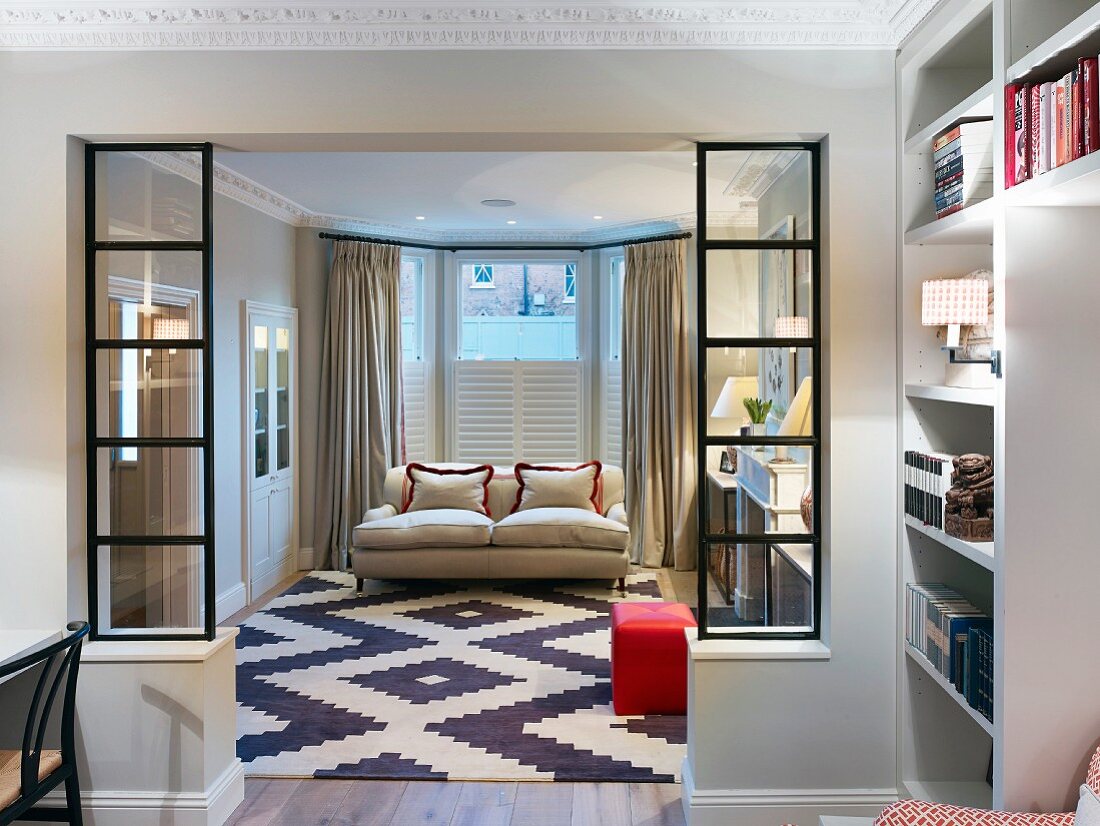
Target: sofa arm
(913, 812)
(375, 514)
(617, 513)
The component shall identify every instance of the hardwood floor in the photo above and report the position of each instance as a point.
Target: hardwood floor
(442, 803)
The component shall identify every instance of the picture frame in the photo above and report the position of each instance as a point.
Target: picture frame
(777, 298)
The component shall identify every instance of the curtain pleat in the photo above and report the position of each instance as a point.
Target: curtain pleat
(361, 420)
(658, 411)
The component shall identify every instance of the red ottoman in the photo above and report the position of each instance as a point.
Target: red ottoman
(649, 657)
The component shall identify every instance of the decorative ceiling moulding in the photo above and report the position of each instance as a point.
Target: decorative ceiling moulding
(375, 25)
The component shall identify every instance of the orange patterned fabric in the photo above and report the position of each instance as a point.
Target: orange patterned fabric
(1093, 777)
(923, 813)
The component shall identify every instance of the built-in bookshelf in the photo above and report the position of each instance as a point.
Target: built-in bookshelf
(1039, 238)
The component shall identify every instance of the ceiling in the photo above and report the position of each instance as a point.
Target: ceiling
(452, 24)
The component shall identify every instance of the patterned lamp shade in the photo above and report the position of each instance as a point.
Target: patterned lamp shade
(948, 301)
(792, 326)
(171, 328)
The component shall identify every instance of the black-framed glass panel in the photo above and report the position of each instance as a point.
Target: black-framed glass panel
(762, 193)
(154, 586)
(150, 491)
(153, 195)
(760, 587)
(148, 294)
(764, 293)
(149, 393)
(759, 391)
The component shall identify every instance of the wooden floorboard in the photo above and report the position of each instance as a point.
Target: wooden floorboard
(370, 803)
(485, 804)
(543, 804)
(607, 804)
(314, 803)
(262, 801)
(655, 804)
(427, 801)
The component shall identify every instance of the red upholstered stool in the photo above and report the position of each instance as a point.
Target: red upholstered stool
(649, 657)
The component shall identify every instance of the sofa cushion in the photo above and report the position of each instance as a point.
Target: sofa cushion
(434, 488)
(553, 486)
(560, 528)
(438, 528)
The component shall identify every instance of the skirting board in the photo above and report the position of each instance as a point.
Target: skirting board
(305, 559)
(154, 808)
(229, 602)
(767, 807)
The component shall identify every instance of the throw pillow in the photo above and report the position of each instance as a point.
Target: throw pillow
(550, 486)
(432, 488)
(1088, 808)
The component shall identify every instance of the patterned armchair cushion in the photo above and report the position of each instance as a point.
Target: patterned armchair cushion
(1092, 779)
(923, 813)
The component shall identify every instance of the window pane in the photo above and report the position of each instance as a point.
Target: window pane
(517, 311)
(153, 586)
(759, 293)
(139, 200)
(778, 377)
(156, 493)
(149, 393)
(412, 280)
(615, 324)
(758, 194)
(164, 287)
(762, 587)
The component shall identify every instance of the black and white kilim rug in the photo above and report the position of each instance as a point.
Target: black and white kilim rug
(478, 681)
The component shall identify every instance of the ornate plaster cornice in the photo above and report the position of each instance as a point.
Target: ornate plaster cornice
(368, 24)
(247, 191)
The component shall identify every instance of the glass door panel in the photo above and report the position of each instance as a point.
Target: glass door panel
(261, 398)
(282, 398)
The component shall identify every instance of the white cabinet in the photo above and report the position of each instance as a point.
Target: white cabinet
(270, 407)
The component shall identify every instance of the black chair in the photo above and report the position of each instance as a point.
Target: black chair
(28, 773)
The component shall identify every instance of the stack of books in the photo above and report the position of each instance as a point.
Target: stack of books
(955, 637)
(963, 159)
(1052, 123)
(927, 479)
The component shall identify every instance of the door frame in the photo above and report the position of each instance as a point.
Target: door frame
(250, 309)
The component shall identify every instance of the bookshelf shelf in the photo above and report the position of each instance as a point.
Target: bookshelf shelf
(978, 104)
(1058, 52)
(942, 682)
(1074, 184)
(973, 225)
(977, 396)
(980, 553)
(976, 793)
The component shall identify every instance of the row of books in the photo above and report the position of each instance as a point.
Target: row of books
(955, 637)
(963, 163)
(1050, 124)
(927, 478)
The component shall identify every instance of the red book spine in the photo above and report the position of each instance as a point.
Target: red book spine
(1022, 138)
(1091, 105)
(1076, 141)
(1033, 141)
(1060, 125)
(1010, 134)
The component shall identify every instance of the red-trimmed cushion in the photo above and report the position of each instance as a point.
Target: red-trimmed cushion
(1092, 780)
(433, 488)
(558, 486)
(923, 813)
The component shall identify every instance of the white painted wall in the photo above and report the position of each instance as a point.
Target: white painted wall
(815, 725)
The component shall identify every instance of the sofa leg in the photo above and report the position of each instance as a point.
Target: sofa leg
(622, 585)
(359, 586)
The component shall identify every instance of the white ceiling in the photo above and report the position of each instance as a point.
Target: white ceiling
(553, 191)
(454, 24)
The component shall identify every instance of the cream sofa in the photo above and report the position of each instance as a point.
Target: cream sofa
(541, 543)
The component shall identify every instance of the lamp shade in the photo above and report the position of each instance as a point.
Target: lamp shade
(948, 301)
(731, 401)
(792, 326)
(171, 328)
(798, 421)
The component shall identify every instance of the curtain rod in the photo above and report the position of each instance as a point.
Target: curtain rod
(333, 236)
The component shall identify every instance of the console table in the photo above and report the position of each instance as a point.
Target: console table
(719, 558)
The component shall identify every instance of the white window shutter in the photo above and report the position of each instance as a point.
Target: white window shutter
(414, 376)
(512, 411)
(613, 412)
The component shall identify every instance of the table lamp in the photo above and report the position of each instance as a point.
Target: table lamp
(954, 302)
(731, 404)
(799, 418)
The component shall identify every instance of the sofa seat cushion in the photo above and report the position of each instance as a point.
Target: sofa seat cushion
(439, 528)
(560, 528)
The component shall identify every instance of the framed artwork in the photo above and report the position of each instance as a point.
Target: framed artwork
(776, 299)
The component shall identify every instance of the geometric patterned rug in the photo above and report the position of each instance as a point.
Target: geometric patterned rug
(443, 680)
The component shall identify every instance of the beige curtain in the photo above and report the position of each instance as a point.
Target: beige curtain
(658, 413)
(361, 422)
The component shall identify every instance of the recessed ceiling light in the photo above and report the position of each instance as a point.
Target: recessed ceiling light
(597, 217)
(511, 222)
(498, 202)
(419, 217)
